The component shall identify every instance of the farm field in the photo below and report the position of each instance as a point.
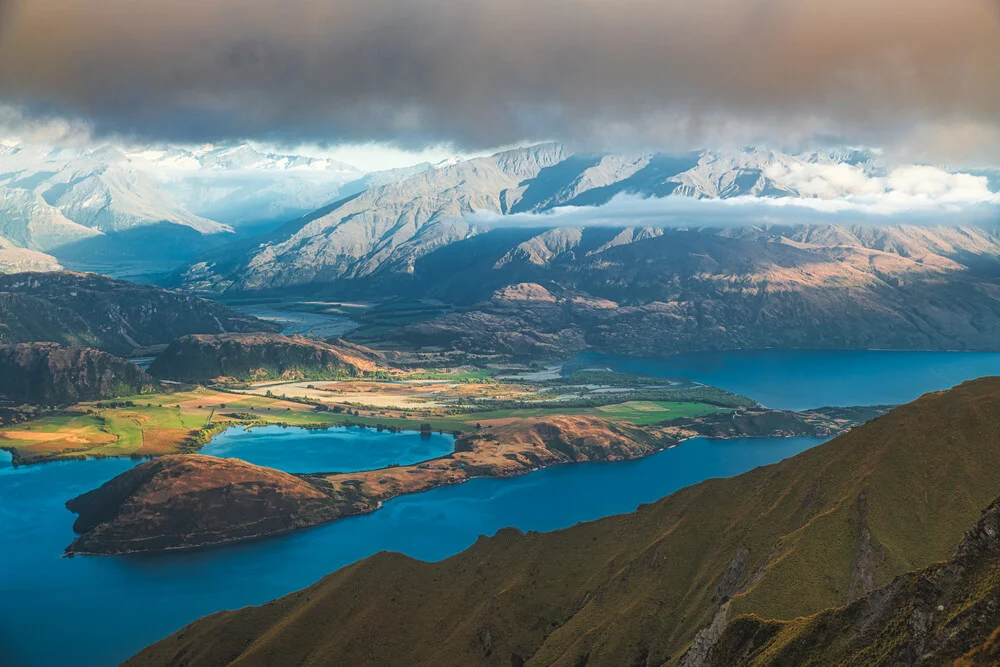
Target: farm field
(183, 421)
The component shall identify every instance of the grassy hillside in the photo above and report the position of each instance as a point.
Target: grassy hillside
(112, 315)
(260, 357)
(946, 613)
(812, 532)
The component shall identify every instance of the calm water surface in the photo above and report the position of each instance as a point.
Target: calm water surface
(105, 609)
(800, 379)
(327, 450)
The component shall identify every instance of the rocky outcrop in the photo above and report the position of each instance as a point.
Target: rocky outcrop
(945, 614)
(51, 374)
(258, 357)
(111, 315)
(187, 500)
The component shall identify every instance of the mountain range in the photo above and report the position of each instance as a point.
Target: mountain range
(386, 230)
(106, 202)
(484, 236)
(529, 290)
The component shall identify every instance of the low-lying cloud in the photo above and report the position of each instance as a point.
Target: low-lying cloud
(908, 195)
(665, 73)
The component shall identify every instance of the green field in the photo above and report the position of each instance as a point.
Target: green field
(141, 431)
(636, 412)
(654, 412)
(151, 425)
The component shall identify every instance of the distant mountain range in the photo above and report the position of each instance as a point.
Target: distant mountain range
(484, 235)
(321, 221)
(112, 204)
(554, 291)
(88, 310)
(387, 229)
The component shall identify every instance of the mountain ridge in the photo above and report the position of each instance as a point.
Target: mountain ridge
(111, 315)
(53, 374)
(388, 228)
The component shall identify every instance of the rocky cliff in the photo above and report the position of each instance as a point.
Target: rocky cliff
(51, 374)
(111, 315)
(257, 357)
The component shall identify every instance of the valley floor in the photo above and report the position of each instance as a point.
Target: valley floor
(183, 419)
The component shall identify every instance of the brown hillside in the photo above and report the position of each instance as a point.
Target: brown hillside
(189, 500)
(261, 356)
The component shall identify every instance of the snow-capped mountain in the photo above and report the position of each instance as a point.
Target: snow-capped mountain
(54, 193)
(389, 227)
(53, 198)
(237, 157)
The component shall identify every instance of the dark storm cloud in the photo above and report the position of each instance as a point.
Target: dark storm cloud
(488, 72)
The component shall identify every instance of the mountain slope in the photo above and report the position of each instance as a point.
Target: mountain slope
(815, 531)
(19, 260)
(258, 357)
(946, 613)
(385, 227)
(51, 374)
(28, 221)
(653, 292)
(111, 315)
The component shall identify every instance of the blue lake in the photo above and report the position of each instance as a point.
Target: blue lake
(104, 609)
(327, 450)
(800, 379)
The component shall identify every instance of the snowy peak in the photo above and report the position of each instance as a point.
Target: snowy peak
(388, 227)
(238, 157)
(52, 195)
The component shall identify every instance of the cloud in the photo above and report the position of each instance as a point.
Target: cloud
(480, 73)
(51, 130)
(907, 195)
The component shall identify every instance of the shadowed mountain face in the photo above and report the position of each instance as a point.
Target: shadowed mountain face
(110, 315)
(50, 374)
(662, 585)
(260, 357)
(650, 292)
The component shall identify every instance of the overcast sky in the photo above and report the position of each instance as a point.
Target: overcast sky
(916, 76)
